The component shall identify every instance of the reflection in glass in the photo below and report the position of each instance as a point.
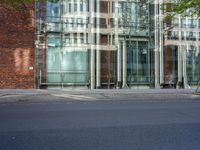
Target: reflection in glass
(193, 65)
(138, 63)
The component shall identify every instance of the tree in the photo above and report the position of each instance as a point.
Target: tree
(183, 7)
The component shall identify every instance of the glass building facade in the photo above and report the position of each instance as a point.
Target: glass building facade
(67, 59)
(184, 41)
(114, 44)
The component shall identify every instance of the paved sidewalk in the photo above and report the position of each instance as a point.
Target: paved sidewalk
(4, 92)
(55, 95)
(126, 91)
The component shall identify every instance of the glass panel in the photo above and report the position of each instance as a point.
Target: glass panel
(134, 16)
(138, 62)
(53, 65)
(143, 66)
(132, 62)
(54, 41)
(139, 19)
(193, 65)
(67, 66)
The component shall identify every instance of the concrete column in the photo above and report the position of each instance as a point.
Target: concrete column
(72, 6)
(161, 49)
(78, 39)
(85, 22)
(92, 69)
(67, 6)
(157, 57)
(92, 54)
(180, 64)
(179, 23)
(98, 52)
(72, 39)
(124, 66)
(98, 68)
(118, 45)
(119, 64)
(185, 67)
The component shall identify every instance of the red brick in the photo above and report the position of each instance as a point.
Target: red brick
(16, 49)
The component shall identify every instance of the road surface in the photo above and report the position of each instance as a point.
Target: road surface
(134, 122)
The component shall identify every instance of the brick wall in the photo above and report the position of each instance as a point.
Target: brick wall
(16, 49)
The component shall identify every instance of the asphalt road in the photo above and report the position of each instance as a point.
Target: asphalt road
(153, 124)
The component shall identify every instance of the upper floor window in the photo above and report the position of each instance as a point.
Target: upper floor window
(183, 22)
(191, 23)
(70, 7)
(199, 23)
(175, 22)
(75, 7)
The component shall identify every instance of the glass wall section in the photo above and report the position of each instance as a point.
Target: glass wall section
(73, 33)
(67, 66)
(134, 17)
(138, 63)
(67, 52)
(139, 17)
(193, 64)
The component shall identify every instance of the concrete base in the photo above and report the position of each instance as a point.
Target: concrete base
(68, 87)
(157, 87)
(139, 87)
(125, 87)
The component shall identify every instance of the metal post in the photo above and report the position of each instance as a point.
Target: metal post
(180, 65)
(98, 52)
(92, 55)
(40, 80)
(118, 45)
(185, 67)
(161, 29)
(157, 62)
(119, 67)
(124, 66)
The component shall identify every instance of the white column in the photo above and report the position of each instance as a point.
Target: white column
(161, 29)
(78, 39)
(92, 69)
(118, 44)
(119, 64)
(98, 52)
(71, 39)
(185, 67)
(92, 54)
(180, 64)
(124, 66)
(157, 62)
(85, 22)
(72, 6)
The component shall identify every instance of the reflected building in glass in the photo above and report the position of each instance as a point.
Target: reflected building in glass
(110, 44)
(182, 51)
